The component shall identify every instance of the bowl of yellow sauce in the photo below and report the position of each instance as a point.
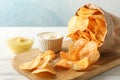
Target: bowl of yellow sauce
(20, 44)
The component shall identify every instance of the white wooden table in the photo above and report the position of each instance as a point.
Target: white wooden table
(6, 70)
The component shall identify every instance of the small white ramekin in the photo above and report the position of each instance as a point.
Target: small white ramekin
(54, 44)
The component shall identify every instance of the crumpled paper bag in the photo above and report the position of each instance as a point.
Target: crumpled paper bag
(112, 37)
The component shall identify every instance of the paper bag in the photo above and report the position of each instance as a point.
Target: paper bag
(111, 36)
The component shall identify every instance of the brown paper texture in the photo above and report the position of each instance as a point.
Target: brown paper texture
(112, 38)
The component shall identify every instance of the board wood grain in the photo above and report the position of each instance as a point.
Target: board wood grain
(106, 62)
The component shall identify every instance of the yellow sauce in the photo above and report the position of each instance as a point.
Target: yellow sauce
(20, 44)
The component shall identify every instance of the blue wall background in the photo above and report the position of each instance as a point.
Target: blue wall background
(46, 12)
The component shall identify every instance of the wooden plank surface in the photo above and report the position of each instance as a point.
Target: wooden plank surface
(106, 62)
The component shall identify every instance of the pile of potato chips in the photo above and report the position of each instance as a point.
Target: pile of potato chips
(88, 24)
(42, 63)
(87, 30)
(80, 55)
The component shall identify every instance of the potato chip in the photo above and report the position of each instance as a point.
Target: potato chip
(63, 55)
(72, 54)
(89, 49)
(51, 53)
(45, 61)
(75, 36)
(31, 64)
(94, 56)
(85, 35)
(47, 69)
(93, 37)
(76, 23)
(79, 43)
(92, 25)
(63, 64)
(40, 60)
(99, 16)
(81, 64)
(72, 24)
(85, 12)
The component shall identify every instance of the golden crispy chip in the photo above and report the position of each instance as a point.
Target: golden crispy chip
(51, 53)
(63, 55)
(63, 64)
(79, 43)
(81, 64)
(84, 34)
(93, 37)
(40, 60)
(99, 16)
(94, 56)
(47, 69)
(31, 64)
(75, 36)
(71, 56)
(100, 33)
(76, 23)
(85, 12)
(89, 49)
(72, 24)
(45, 61)
(92, 25)
(74, 49)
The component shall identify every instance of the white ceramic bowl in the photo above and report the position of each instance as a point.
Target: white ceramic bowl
(50, 41)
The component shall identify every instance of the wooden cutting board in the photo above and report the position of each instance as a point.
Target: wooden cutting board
(106, 62)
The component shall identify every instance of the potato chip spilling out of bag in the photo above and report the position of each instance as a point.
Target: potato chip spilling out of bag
(81, 64)
(63, 64)
(73, 50)
(87, 29)
(90, 50)
(81, 52)
(89, 24)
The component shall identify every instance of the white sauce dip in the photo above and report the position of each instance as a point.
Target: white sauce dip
(49, 35)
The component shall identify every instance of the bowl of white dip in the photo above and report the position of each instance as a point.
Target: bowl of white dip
(50, 41)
